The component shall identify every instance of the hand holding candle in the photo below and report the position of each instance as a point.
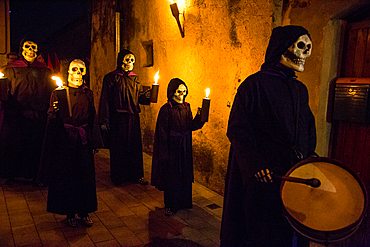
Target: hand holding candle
(3, 87)
(205, 107)
(64, 103)
(155, 89)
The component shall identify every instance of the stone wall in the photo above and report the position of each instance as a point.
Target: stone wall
(4, 31)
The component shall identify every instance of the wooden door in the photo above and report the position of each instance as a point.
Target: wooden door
(350, 142)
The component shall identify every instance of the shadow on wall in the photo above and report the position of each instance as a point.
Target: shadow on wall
(203, 161)
(148, 140)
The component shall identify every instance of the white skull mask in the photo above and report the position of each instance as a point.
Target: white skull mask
(180, 94)
(297, 53)
(128, 62)
(76, 70)
(29, 51)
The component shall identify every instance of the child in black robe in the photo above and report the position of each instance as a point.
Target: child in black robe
(68, 152)
(172, 163)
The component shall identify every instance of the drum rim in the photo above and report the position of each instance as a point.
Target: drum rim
(354, 226)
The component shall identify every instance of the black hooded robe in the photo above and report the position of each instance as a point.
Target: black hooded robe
(119, 108)
(25, 116)
(68, 152)
(262, 130)
(172, 162)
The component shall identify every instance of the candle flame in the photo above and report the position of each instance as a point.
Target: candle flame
(1, 75)
(58, 81)
(207, 92)
(172, 2)
(156, 77)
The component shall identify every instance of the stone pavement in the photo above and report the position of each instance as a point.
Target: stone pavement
(128, 215)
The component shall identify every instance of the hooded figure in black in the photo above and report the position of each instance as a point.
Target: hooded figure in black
(270, 127)
(67, 154)
(172, 163)
(119, 119)
(25, 114)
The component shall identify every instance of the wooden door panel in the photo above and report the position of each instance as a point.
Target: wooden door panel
(360, 53)
(350, 53)
(359, 149)
(366, 72)
(348, 144)
(365, 173)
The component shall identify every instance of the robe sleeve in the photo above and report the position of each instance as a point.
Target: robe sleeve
(312, 139)
(194, 124)
(143, 100)
(244, 142)
(96, 139)
(162, 134)
(161, 155)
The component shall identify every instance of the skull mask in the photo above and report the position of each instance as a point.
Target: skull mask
(76, 70)
(180, 94)
(296, 54)
(29, 51)
(128, 62)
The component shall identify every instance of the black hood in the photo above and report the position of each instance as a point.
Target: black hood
(120, 57)
(172, 87)
(281, 39)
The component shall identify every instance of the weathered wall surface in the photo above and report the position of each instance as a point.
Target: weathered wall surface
(4, 31)
(103, 58)
(225, 41)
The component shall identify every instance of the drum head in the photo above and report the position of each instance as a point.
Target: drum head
(339, 201)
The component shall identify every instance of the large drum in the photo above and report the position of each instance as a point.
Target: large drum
(331, 212)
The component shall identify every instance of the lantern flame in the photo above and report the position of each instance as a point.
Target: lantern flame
(1, 75)
(156, 77)
(58, 81)
(207, 92)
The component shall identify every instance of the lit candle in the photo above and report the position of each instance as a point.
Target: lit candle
(64, 102)
(205, 107)
(3, 87)
(155, 89)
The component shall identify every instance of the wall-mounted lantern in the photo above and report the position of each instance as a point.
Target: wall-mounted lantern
(176, 13)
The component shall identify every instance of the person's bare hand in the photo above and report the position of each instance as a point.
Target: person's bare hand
(264, 176)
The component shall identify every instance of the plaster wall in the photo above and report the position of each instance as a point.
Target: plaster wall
(225, 41)
(103, 58)
(4, 31)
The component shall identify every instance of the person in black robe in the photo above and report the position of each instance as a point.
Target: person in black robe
(172, 162)
(270, 127)
(120, 122)
(68, 151)
(25, 114)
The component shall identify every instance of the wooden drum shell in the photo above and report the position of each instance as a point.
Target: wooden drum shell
(333, 211)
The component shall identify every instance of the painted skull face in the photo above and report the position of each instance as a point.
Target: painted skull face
(295, 56)
(29, 51)
(128, 62)
(76, 70)
(180, 94)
